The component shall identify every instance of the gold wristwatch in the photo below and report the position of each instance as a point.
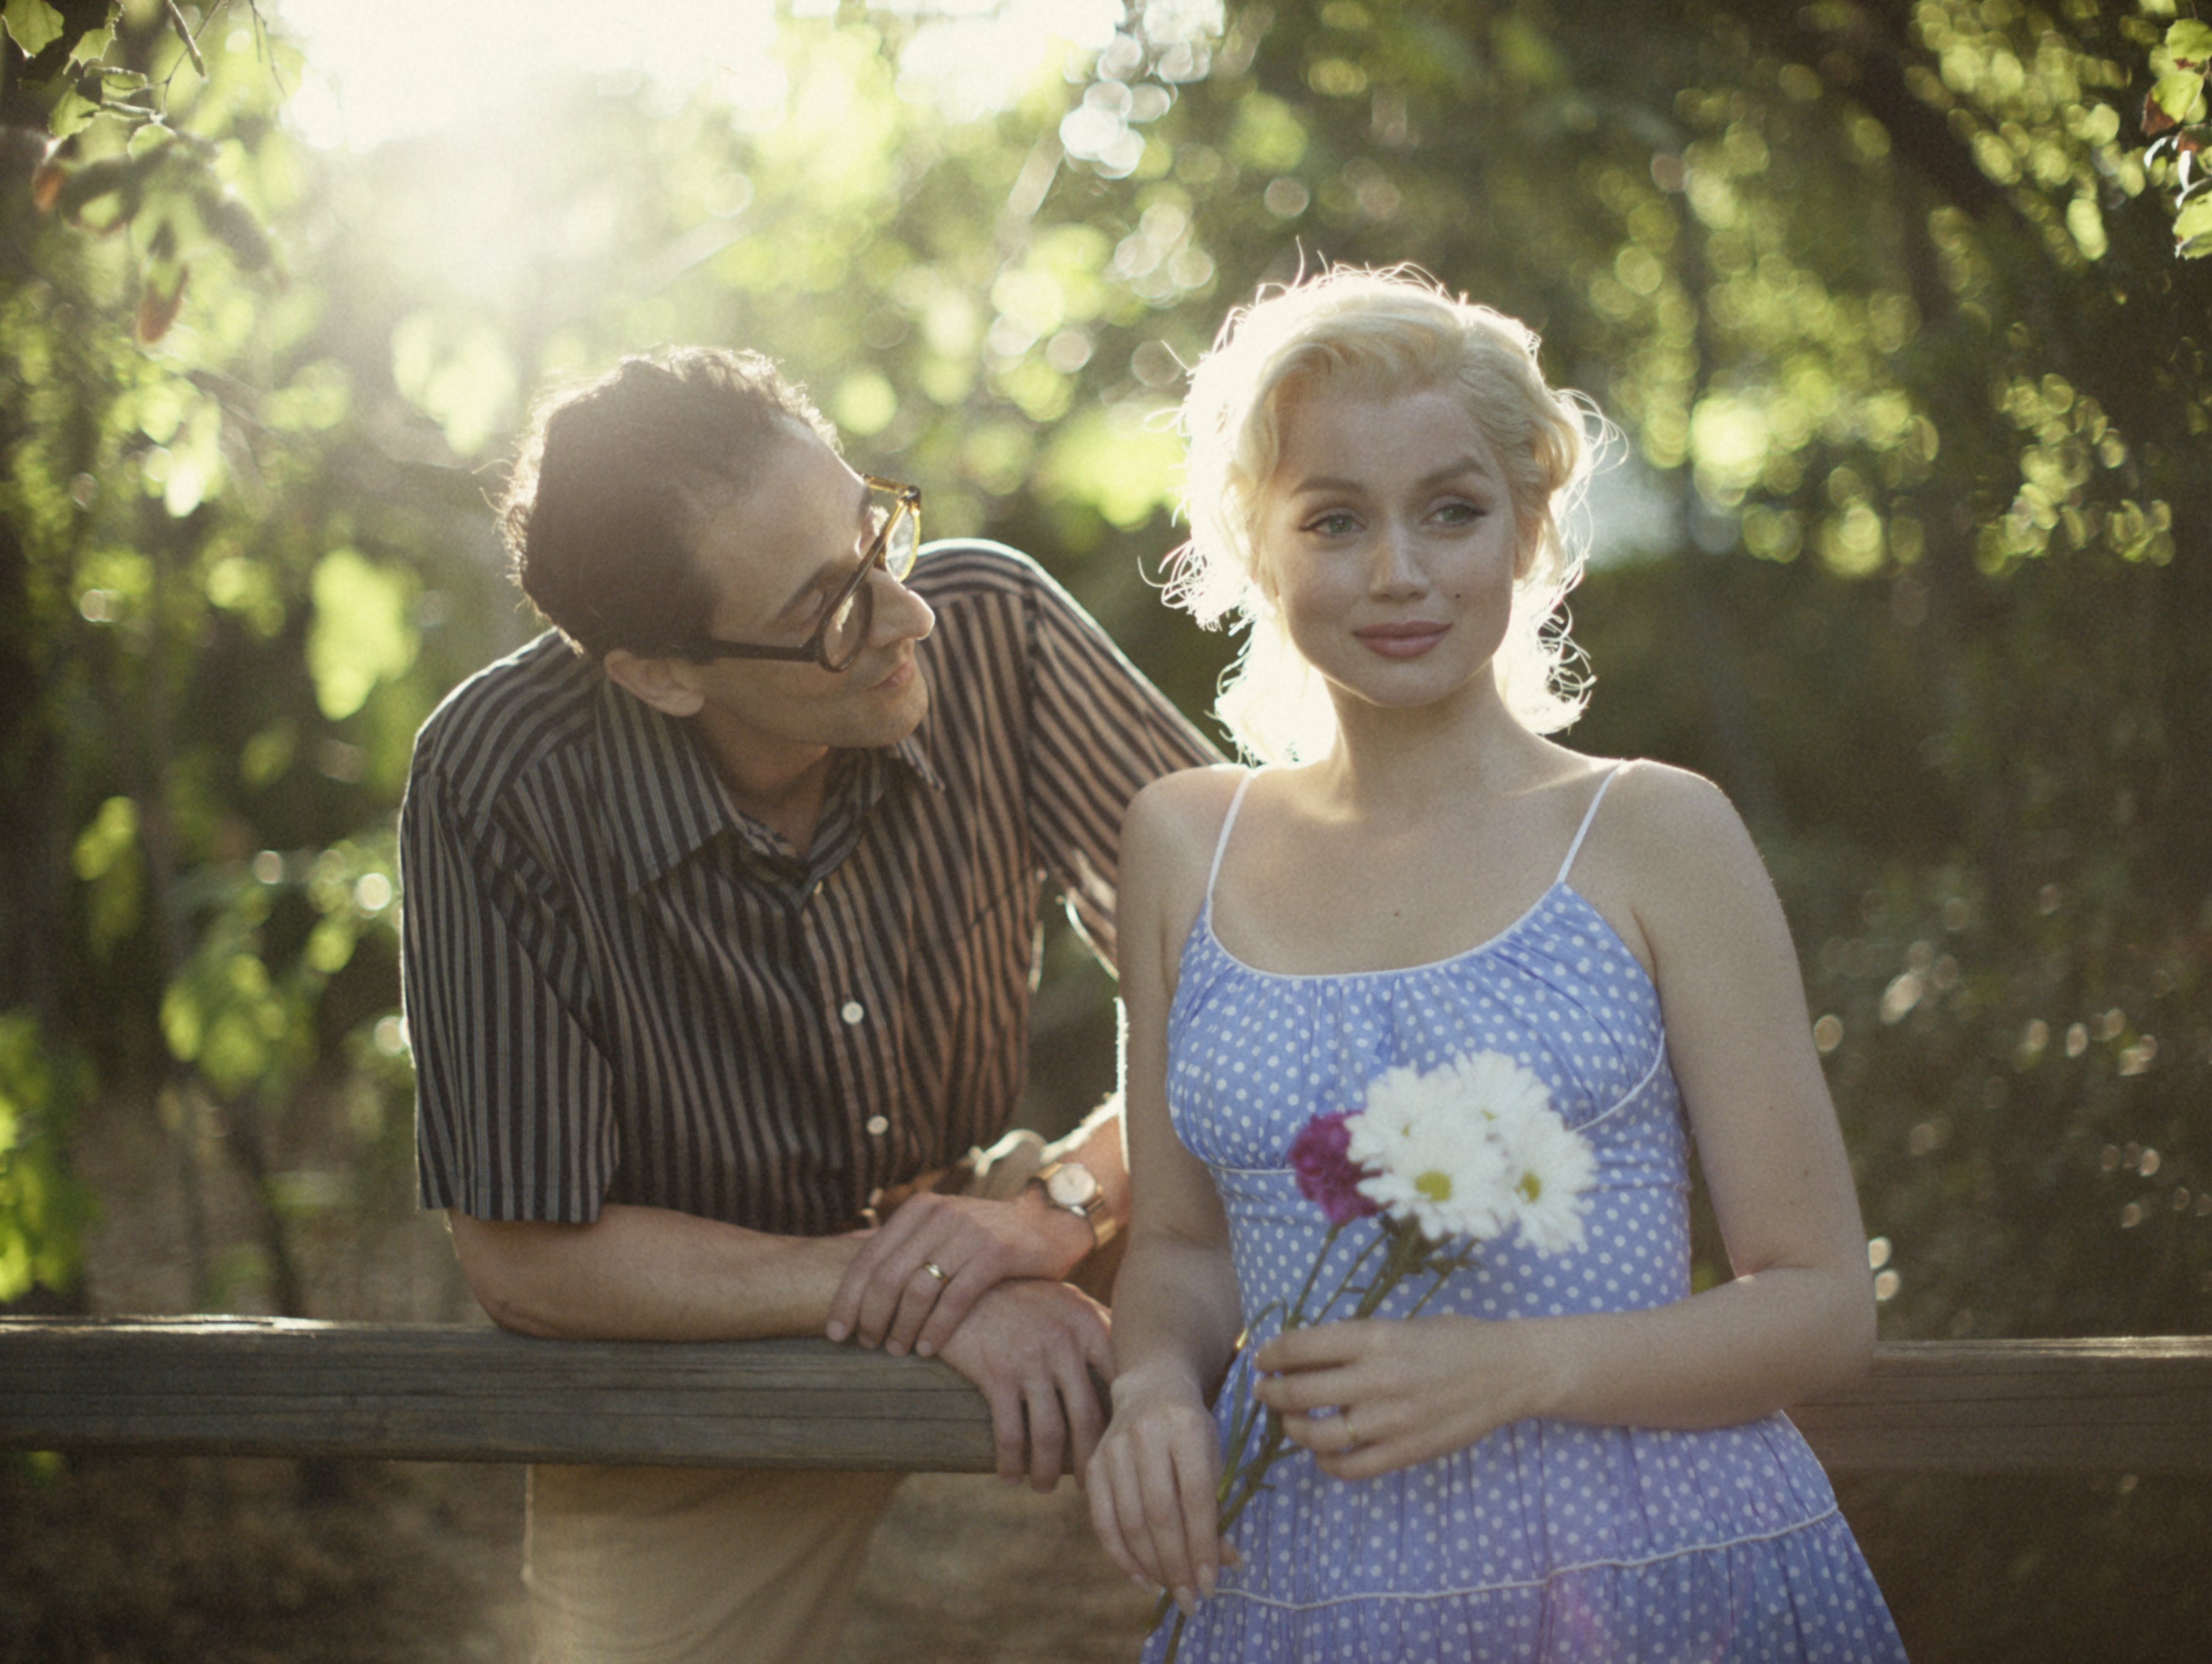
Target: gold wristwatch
(1072, 1185)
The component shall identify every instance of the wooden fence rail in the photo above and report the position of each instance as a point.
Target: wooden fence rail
(248, 1386)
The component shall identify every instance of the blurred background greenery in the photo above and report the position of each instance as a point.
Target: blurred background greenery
(1908, 542)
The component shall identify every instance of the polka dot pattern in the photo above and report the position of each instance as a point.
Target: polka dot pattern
(1545, 1540)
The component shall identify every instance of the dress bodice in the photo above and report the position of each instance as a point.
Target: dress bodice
(1556, 990)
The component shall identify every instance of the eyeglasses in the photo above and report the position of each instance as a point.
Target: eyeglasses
(895, 511)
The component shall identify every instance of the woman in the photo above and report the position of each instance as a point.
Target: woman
(1569, 1458)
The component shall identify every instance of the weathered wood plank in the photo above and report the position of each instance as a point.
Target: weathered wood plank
(248, 1386)
(2141, 1404)
(268, 1387)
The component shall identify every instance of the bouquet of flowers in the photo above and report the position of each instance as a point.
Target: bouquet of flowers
(1447, 1160)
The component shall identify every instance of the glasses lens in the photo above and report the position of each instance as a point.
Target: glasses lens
(905, 539)
(847, 631)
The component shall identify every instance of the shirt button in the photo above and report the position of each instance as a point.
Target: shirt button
(879, 1124)
(852, 1011)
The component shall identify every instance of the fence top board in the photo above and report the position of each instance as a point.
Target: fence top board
(268, 1387)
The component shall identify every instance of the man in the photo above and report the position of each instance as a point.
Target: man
(721, 905)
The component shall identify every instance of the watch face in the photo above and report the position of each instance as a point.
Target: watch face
(1073, 1185)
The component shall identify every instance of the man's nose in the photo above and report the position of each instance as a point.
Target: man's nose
(900, 614)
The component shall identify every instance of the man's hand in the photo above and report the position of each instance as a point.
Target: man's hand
(1030, 1347)
(918, 1276)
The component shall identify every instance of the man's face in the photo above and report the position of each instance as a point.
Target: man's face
(775, 557)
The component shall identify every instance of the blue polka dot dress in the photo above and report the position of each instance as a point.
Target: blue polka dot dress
(1545, 1540)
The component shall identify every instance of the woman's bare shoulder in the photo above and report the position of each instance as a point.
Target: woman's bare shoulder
(1178, 812)
(1674, 848)
(1659, 802)
(1168, 840)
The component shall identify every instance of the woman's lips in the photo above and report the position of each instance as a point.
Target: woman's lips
(1401, 641)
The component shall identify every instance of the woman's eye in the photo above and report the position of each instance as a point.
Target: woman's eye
(1458, 513)
(1335, 525)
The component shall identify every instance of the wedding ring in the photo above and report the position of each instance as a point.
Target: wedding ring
(936, 1270)
(1351, 1438)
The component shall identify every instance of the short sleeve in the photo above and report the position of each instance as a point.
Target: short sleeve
(1098, 733)
(514, 1095)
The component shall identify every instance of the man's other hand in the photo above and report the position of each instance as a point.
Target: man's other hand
(1031, 1348)
(917, 1276)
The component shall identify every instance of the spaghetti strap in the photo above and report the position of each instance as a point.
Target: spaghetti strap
(1221, 842)
(1581, 831)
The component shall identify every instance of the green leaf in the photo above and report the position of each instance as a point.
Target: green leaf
(459, 374)
(71, 114)
(2190, 42)
(1119, 461)
(864, 404)
(360, 634)
(2180, 96)
(234, 225)
(107, 857)
(112, 834)
(2102, 125)
(331, 945)
(2192, 228)
(43, 1209)
(2087, 226)
(92, 45)
(1268, 135)
(35, 24)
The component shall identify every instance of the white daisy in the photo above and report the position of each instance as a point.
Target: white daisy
(1429, 1142)
(1551, 1166)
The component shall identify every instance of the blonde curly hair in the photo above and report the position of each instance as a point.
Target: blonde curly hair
(1396, 330)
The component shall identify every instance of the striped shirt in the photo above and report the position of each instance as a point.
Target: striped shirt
(619, 989)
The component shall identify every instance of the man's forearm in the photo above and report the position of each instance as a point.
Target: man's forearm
(650, 1274)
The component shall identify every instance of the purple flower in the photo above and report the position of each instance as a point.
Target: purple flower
(1327, 1177)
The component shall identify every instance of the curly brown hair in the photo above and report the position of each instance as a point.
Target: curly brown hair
(617, 479)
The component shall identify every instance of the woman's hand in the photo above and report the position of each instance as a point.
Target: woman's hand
(1370, 1396)
(1154, 1485)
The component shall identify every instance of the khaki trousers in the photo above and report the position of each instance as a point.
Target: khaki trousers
(670, 1565)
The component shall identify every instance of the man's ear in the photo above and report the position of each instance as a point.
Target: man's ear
(667, 684)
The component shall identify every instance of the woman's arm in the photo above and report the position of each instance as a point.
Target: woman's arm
(1671, 862)
(1152, 1481)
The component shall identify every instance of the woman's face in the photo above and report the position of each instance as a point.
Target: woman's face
(1387, 537)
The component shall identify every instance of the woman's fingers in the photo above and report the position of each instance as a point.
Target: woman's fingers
(1308, 1391)
(1319, 1347)
(1160, 1544)
(1202, 1518)
(1108, 1487)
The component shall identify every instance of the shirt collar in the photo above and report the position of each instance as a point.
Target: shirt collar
(668, 802)
(914, 751)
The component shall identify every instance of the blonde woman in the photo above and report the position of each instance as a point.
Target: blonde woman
(1564, 1458)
